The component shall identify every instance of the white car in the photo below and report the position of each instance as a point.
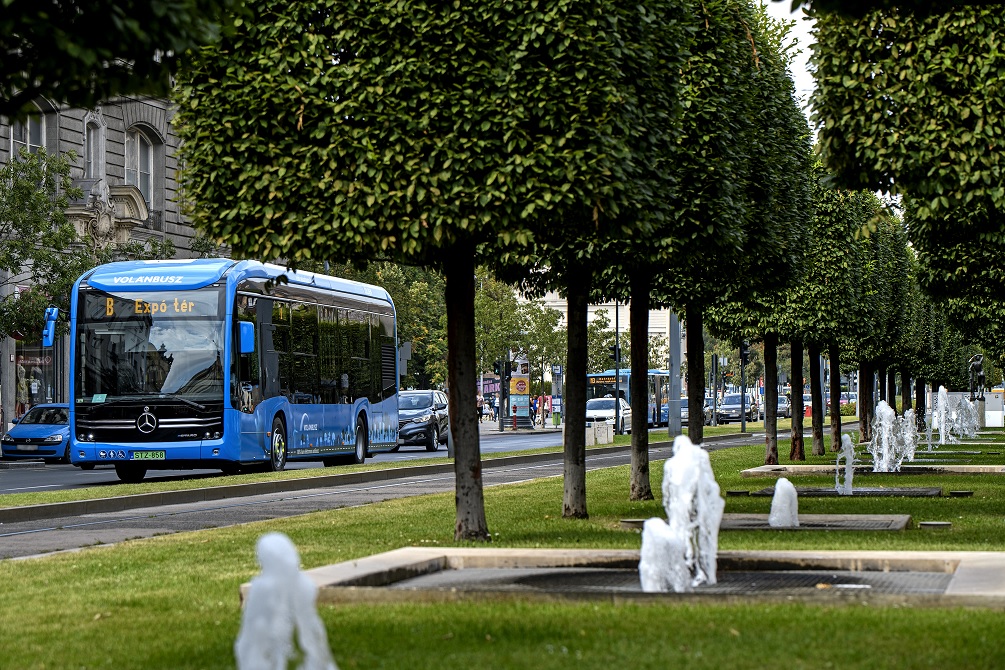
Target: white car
(602, 409)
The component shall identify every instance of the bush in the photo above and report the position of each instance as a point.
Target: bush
(848, 409)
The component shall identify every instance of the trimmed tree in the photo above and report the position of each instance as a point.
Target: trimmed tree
(418, 132)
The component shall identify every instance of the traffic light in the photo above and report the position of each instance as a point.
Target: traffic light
(615, 353)
(497, 367)
(744, 352)
(508, 370)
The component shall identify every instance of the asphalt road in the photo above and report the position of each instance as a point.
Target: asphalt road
(25, 477)
(40, 536)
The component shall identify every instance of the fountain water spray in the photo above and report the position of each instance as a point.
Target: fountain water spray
(942, 417)
(784, 505)
(281, 600)
(847, 453)
(893, 439)
(680, 553)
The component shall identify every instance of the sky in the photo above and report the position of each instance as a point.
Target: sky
(801, 32)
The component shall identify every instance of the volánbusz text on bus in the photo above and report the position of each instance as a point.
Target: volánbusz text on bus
(214, 363)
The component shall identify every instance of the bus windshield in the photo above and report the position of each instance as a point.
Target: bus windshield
(135, 344)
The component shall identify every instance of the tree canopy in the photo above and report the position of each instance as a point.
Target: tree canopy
(81, 53)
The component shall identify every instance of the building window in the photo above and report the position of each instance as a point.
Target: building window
(29, 133)
(139, 162)
(92, 164)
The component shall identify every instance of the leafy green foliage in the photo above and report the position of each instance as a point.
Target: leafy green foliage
(449, 123)
(913, 104)
(82, 53)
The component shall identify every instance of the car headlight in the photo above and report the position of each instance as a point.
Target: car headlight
(54, 439)
(7, 439)
(425, 418)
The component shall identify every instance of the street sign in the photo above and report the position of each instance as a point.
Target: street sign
(556, 369)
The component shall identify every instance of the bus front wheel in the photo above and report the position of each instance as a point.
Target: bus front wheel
(130, 473)
(277, 459)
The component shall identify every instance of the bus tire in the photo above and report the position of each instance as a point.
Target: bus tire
(434, 439)
(277, 454)
(130, 473)
(87, 466)
(362, 443)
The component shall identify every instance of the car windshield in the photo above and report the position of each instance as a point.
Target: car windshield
(45, 415)
(600, 403)
(415, 401)
(731, 400)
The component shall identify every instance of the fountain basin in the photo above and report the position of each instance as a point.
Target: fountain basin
(428, 574)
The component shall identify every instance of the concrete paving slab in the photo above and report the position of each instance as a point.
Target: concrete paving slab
(796, 470)
(744, 521)
(861, 492)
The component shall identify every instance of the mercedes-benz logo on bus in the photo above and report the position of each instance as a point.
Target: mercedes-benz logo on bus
(146, 422)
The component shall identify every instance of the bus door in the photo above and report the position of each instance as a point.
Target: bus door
(251, 387)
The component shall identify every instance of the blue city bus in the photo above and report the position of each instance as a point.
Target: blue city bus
(607, 383)
(215, 363)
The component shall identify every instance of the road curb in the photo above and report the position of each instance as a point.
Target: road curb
(141, 500)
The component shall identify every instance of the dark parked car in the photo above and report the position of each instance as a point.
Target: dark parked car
(43, 432)
(729, 410)
(422, 418)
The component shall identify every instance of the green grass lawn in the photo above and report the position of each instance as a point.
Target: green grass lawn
(171, 601)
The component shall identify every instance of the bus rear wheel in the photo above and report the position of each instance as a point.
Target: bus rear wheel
(362, 448)
(277, 458)
(130, 473)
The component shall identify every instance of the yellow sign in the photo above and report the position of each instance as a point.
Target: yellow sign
(175, 306)
(519, 385)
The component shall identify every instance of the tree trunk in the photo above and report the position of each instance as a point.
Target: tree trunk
(920, 402)
(459, 272)
(817, 401)
(891, 387)
(695, 374)
(638, 319)
(574, 496)
(866, 384)
(797, 452)
(905, 390)
(771, 399)
(835, 354)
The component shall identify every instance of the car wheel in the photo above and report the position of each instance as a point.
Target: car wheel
(396, 448)
(130, 473)
(66, 454)
(362, 448)
(277, 458)
(434, 439)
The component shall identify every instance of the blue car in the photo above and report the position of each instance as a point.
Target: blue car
(43, 432)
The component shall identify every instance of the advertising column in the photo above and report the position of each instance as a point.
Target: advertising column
(519, 389)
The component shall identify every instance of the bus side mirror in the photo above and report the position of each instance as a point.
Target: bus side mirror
(246, 336)
(49, 329)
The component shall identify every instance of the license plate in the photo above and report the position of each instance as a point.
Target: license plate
(149, 455)
(27, 447)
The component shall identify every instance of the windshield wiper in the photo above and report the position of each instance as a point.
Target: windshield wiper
(148, 396)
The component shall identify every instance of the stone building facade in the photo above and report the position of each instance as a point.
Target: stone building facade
(127, 168)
